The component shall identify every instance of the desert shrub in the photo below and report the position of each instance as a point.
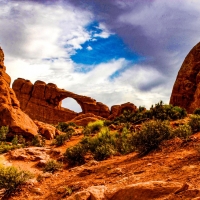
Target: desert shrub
(167, 112)
(182, 131)
(101, 146)
(3, 132)
(160, 111)
(194, 123)
(93, 127)
(62, 138)
(123, 142)
(38, 141)
(64, 127)
(103, 137)
(72, 124)
(151, 135)
(4, 147)
(52, 166)
(196, 111)
(107, 122)
(103, 151)
(11, 178)
(75, 155)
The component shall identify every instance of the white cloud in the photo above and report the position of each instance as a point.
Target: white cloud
(89, 48)
(39, 39)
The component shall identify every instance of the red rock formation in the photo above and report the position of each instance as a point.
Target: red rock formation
(84, 119)
(10, 112)
(186, 90)
(42, 102)
(117, 110)
(46, 130)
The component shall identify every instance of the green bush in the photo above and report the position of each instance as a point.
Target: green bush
(194, 123)
(62, 138)
(107, 122)
(3, 132)
(160, 111)
(197, 111)
(52, 166)
(64, 127)
(11, 178)
(4, 147)
(105, 144)
(93, 127)
(182, 131)
(75, 155)
(103, 151)
(152, 133)
(38, 141)
(123, 142)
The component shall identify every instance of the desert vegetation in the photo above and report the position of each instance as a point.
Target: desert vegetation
(11, 179)
(141, 131)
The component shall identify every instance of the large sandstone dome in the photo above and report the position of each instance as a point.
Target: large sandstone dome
(186, 90)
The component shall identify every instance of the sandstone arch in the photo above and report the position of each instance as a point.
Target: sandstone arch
(42, 102)
(186, 90)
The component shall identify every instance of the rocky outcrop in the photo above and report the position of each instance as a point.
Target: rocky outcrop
(46, 130)
(117, 110)
(186, 90)
(84, 119)
(10, 112)
(43, 101)
(139, 191)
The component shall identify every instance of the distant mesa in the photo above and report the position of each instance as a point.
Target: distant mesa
(186, 90)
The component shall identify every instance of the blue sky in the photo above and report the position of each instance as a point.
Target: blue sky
(113, 51)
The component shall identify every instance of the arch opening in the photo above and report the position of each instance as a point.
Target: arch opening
(71, 104)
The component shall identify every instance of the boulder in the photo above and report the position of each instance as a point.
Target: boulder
(138, 191)
(43, 101)
(10, 113)
(186, 90)
(46, 130)
(117, 110)
(30, 154)
(84, 119)
(144, 190)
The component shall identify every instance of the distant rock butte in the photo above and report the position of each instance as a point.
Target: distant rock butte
(10, 112)
(43, 101)
(186, 90)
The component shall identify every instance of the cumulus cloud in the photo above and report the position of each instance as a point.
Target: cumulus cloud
(38, 38)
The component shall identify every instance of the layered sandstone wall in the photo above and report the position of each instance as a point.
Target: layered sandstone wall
(186, 90)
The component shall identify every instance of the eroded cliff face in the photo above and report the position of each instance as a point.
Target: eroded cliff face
(186, 90)
(10, 112)
(42, 102)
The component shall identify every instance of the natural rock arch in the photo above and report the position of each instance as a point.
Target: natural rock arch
(43, 101)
